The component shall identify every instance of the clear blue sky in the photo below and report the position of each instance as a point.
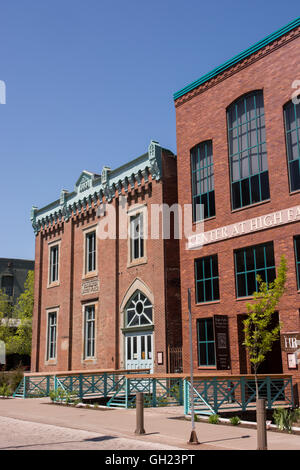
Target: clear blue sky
(89, 83)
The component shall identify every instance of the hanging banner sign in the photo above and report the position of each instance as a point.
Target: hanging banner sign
(222, 342)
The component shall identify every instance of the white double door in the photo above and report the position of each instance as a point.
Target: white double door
(139, 350)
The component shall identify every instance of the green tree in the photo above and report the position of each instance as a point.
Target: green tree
(260, 332)
(6, 314)
(20, 342)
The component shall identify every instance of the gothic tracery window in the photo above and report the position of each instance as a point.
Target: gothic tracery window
(139, 311)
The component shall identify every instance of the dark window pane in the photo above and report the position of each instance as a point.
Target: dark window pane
(251, 283)
(200, 292)
(236, 197)
(129, 348)
(201, 330)
(202, 354)
(211, 361)
(245, 192)
(239, 260)
(207, 270)
(208, 291)
(216, 289)
(199, 269)
(255, 194)
(271, 275)
(260, 257)
(205, 204)
(210, 330)
(264, 184)
(241, 285)
(294, 175)
(270, 254)
(249, 259)
(215, 270)
(212, 208)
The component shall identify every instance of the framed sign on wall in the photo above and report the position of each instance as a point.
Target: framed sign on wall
(160, 358)
(292, 360)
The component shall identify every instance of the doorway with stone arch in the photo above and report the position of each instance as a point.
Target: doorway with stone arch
(138, 328)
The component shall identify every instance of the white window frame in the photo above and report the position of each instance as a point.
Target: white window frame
(51, 311)
(85, 306)
(55, 244)
(86, 232)
(137, 211)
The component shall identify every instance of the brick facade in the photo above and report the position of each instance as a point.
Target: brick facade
(201, 116)
(157, 276)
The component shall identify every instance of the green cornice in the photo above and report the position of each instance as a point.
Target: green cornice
(90, 187)
(256, 47)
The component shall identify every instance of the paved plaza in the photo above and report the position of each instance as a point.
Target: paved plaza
(38, 424)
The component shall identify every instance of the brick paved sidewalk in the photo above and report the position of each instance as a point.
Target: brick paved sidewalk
(162, 427)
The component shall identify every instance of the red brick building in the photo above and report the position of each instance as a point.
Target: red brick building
(238, 146)
(107, 301)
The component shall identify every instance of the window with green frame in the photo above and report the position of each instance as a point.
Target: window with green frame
(292, 134)
(206, 342)
(297, 256)
(247, 150)
(203, 192)
(207, 279)
(251, 261)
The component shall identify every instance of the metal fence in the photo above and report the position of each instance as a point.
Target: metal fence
(215, 394)
(211, 394)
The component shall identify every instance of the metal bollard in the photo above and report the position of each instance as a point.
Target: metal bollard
(140, 413)
(261, 424)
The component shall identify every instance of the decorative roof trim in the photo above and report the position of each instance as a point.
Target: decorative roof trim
(90, 188)
(235, 60)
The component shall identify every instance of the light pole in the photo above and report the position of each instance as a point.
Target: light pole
(193, 437)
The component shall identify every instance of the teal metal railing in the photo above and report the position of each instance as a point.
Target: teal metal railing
(211, 394)
(216, 394)
(81, 385)
(158, 391)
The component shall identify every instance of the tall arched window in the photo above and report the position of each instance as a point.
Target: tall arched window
(203, 189)
(139, 311)
(292, 132)
(247, 150)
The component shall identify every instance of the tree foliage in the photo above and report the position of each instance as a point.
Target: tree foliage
(16, 321)
(6, 313)
(259, 329)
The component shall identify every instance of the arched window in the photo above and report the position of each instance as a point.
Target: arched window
(247, 150)
(139, 311)
(292, 132)
(203, 189)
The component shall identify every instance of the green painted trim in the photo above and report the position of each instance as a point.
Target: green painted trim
(106, 185)
(256, 47)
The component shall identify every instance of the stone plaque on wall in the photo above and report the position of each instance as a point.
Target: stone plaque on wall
(90, 286)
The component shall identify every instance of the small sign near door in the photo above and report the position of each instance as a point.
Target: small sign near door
(290, 342)
(160, 358)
